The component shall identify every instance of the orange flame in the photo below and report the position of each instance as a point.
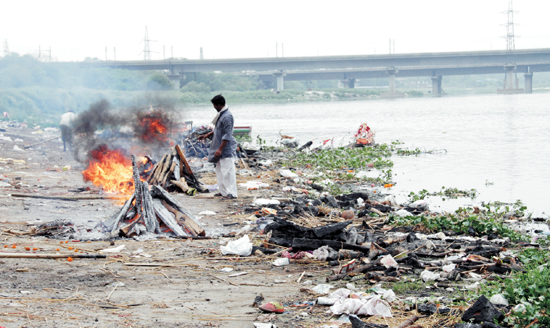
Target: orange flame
(110, 169)
(153, 129)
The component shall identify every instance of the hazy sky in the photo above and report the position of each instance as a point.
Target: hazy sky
(76, 29)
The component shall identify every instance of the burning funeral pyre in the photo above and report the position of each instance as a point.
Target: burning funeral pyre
(105, 136)
(151, 211)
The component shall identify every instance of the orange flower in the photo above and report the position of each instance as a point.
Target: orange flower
(70, 248)
(57, 249)
(27, 248)
(35, 249)
(70, 259)
(61, 242)
(13, 246)
(5, 246)
(66, 241)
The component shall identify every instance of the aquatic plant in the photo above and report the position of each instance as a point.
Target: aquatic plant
(464, 220)
(526, 289)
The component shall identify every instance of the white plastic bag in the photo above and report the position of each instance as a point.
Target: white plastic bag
(429, 276)
(113, 250)
(281, 261)
(498, 299)
(288, 174)
(241, 246)
(449, 267)
(389, 262)
(322, 289)
(263, 202)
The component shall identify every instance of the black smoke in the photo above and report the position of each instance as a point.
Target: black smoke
(123, 128)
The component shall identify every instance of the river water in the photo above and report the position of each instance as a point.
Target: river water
(496, 144)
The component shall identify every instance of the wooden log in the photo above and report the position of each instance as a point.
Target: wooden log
(190, 225)
(156, 171)
(409, 322)
(177, 169)
(149, 217)
(51, 256)
(164, 195)
(168, 172)
(163, 168)
(113, 223)
(182, 184)
(137, 187)
(41, 142)
(359, 269)
(305, 244)
(166, 217)
(126, 230)
(329, 229)
(185, 168)
(68, 198)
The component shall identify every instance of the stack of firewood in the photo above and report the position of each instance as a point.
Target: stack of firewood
(152, 210)
(173, 173)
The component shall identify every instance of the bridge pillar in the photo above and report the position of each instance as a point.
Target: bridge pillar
(391, 73)
(510, 81)
(176, 79)
(349, 83)
(528, 82)
(280, 80)
(436, 85)
(393, 93)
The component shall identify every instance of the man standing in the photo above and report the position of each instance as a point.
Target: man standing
(223, 149)
(66, 126)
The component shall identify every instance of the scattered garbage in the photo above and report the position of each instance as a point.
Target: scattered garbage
(241, 246)
(272, 307)
(482, 311)
(281, 262)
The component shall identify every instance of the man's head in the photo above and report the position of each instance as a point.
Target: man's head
(218, 102)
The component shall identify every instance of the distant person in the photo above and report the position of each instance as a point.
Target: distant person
(66, 126)
(223, 149)
(6, 115)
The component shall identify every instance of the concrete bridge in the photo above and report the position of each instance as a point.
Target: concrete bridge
(350, 68)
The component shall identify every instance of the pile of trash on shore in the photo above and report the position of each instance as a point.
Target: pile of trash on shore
(363, 239)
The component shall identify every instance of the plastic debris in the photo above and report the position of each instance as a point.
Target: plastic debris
(264, 202)
(429, 276)
(281, 262)
(207, 213)
(241, 246)
(288, 174)
(113, 250)
(254, 185)
(389, 262)
(322, 289)
(498, 299)
(272, 307)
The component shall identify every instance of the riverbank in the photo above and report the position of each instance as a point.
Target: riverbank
(189, 283)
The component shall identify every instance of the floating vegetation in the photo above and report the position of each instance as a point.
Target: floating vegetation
(344, 157)
(452, 193)
(469, 220)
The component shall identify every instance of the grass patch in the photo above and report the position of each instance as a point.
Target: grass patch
(404, 287)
